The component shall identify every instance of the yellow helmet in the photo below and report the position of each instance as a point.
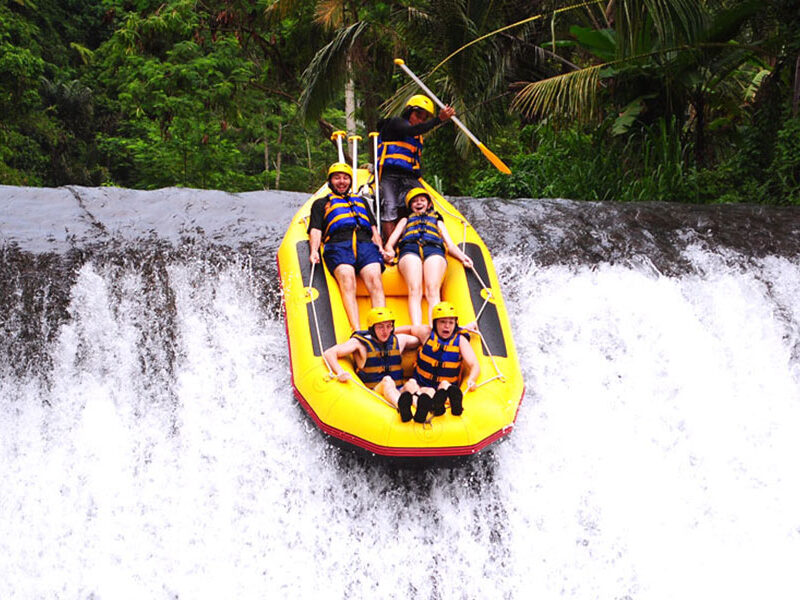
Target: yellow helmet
(340, 167)
(444, 309)
(414, 192)
(379, 315)
(421, 102)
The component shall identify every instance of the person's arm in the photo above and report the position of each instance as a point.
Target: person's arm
(316, 219)
(398, 128)
(407, 342)
(451, 246)
(392, 241)
(334, 353)
(471, 363)
(421, 332)
(314, 241)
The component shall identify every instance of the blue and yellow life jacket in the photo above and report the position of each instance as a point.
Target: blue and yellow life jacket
(382, 359)
(439, 359)
(345, 212)
(421, 229)
(405, 154)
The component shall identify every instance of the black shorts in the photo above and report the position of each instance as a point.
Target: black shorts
(394, 188)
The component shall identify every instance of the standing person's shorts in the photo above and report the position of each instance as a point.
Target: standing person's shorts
(341, 253)
(394, 188)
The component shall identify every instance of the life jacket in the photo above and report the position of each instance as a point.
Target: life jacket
(439, 359)
(382, 359)
(421, 229)
(405, 154)
(345, 212)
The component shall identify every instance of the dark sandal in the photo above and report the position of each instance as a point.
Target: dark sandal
(456, 404)
(423, 407)
(404, 406)
(438, 402)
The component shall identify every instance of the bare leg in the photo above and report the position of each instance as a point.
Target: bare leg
(433, 271)
(389, 390)
(371, 274)
(346, 278)
(411, 269)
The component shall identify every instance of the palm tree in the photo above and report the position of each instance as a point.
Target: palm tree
(474, 79)
(654, 59)
(361, 40)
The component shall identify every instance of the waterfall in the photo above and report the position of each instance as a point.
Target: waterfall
(150, 445)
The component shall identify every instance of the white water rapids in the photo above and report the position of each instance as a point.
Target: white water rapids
(654, 456)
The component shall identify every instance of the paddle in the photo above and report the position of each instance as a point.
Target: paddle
(354, 179)
(374, 136)
(501, 166)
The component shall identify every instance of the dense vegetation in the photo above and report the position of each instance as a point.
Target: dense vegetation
(677, 100)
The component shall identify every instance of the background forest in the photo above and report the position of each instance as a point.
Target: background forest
(630, 100)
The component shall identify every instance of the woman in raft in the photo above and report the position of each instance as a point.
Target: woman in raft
(421, 238)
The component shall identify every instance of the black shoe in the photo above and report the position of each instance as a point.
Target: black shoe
(437, 407)
(456, 406)
(404, 406)
(423, 407)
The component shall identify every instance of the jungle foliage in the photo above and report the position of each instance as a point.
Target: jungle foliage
(628, 100)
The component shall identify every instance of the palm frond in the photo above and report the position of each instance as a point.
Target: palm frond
(571, 95)
(330, 13)
(278, 9)
(327, 72)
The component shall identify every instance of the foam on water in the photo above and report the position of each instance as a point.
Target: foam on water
(161, 454)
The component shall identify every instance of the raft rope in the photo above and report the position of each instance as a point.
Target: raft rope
(498, 374)
(331, 375)
(316, 321)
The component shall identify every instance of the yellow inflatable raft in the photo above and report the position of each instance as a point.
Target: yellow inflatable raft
(351, 413)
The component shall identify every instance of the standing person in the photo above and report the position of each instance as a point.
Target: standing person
(351, 245)
(377, 355)
(422, 237)
(400, 154)
(444, 353)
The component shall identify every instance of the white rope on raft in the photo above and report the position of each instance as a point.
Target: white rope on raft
(331, 375)
(484, 287)
(316, 321)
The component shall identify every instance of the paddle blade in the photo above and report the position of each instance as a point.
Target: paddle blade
(501, 166)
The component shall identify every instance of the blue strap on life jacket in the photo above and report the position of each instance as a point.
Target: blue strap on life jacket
(345, 212)
(405, 154)
(382, 360)
(439, 359)
(422, 229)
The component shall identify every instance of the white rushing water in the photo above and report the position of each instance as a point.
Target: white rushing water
(654, 456)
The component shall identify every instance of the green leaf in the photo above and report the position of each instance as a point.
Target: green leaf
(600, 42)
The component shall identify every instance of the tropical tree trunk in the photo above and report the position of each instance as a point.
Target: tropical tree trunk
(796, 97)
(266, 161)
(699, 129)
(278, 159)
(350, 99)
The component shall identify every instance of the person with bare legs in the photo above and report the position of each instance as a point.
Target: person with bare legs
(342, 224)
(422, 238)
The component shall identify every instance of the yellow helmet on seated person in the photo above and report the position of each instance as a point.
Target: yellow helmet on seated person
(444, 310)
(340, 167)
(379, 315)
(417, 191)
(421, 102)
